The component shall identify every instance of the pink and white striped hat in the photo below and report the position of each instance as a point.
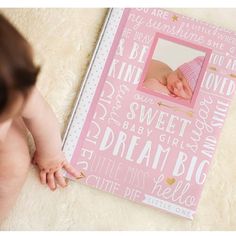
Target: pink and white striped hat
(191, 70)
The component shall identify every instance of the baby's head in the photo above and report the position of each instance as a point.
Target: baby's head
(17, 71)
(178, 85)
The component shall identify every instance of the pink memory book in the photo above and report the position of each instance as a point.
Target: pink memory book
(152, 105)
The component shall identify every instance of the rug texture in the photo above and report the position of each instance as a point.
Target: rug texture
(63, 41)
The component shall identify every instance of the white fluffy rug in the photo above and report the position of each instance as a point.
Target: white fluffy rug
(63, 40)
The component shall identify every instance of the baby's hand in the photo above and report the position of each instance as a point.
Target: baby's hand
(178, 85)
(50, 169)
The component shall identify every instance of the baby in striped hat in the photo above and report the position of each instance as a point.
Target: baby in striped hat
(182, 81)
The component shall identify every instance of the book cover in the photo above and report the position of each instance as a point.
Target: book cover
(148, 118)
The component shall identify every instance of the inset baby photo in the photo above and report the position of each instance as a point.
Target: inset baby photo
(175, 68)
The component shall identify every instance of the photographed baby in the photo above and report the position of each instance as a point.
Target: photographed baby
(179, 83)
(23, 107)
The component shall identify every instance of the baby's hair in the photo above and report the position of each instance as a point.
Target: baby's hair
(17, 69)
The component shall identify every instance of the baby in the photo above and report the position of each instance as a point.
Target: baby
(22, 106)
(179, 83)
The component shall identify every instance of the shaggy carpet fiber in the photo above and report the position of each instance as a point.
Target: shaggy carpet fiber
(63, 40)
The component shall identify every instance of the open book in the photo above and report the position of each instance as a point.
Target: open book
(153, 103)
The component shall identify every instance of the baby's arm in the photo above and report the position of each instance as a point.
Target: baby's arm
(43, 125)
(158, 70)
(156, 86)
